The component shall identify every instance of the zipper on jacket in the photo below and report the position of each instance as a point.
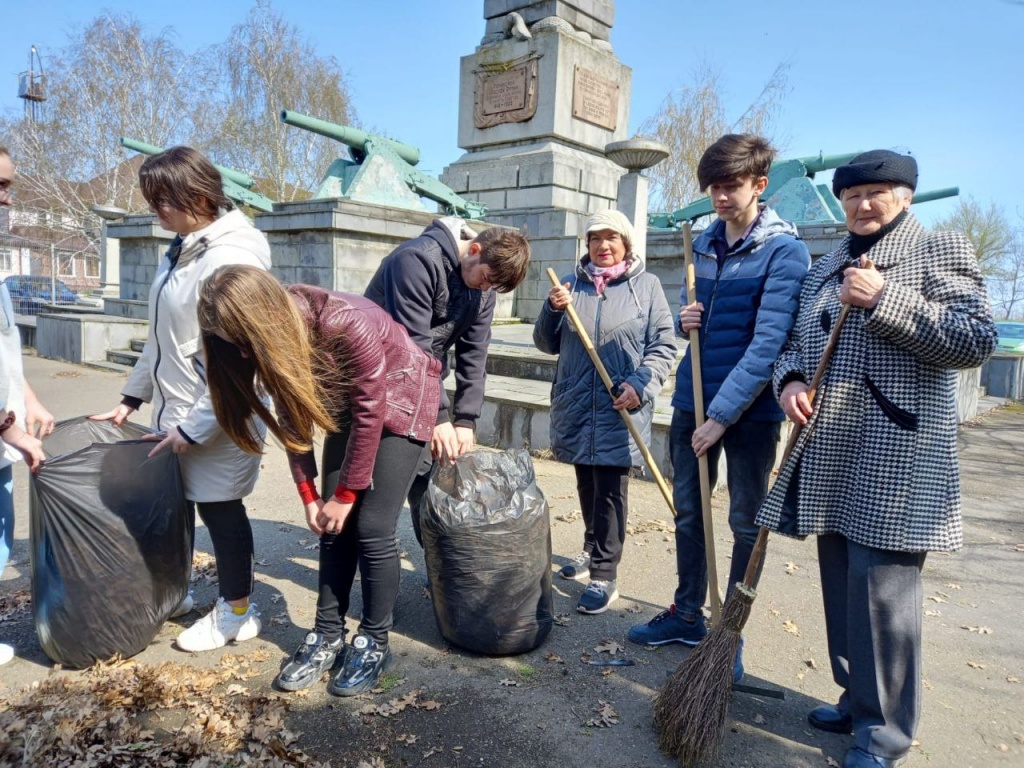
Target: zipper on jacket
(597, 379)
(419, 401)
(156, 336)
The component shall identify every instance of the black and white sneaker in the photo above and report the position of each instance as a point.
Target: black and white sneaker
(578, 569)
(315, 656)
(365, 659)
(597, 597)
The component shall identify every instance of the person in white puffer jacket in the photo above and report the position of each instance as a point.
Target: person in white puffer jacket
(184, 189)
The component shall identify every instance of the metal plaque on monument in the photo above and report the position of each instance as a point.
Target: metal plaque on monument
(505, 92)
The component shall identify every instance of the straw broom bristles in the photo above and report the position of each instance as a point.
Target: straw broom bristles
(690, 710)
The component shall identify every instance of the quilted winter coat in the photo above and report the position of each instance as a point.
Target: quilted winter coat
(630, 325)
(877, 462)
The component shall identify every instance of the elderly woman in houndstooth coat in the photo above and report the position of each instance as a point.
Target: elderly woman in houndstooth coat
(874, 475)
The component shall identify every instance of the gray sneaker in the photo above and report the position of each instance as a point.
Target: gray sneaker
(315, 656)
(597, 597)
(578, 569)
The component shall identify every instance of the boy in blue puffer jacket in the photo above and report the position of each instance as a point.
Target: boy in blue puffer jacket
(749, 266)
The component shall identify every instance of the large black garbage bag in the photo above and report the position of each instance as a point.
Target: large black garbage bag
(111, 541)
(487, 543)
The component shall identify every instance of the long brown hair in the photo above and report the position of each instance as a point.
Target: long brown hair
(270, 350)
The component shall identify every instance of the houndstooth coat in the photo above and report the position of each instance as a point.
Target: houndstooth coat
(877, 461)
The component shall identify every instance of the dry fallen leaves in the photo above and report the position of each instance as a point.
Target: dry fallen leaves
(554, 658)
(204, 568)
(831, 762)
(508, 682)
(15, 605)
(110, 715)
(792, 568)
(606, 715)
(562, 619)
(609, 646)
(759, 719)
(1012, 679)
(634, 608)
(939, 597)
(790, 626)
(933, 613)
(975, 665)
(393, 707)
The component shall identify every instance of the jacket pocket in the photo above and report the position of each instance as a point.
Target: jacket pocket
(901, 417)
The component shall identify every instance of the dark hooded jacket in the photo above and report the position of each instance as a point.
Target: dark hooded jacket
(420, 285)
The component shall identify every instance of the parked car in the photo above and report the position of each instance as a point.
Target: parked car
(30, 293)
(1011, 336)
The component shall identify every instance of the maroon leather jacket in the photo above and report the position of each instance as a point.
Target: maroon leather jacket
(394, 384)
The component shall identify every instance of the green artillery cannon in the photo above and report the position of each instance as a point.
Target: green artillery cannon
(237, 185)
(793, 194)
(381, 171)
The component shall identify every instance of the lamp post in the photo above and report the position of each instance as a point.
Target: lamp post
(636, 156)
(110, 252)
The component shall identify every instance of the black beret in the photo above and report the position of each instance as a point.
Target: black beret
(875, 166)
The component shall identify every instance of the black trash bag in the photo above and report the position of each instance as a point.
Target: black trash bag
(487, 544)
(111, 541)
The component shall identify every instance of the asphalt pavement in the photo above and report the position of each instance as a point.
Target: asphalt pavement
(543, 708)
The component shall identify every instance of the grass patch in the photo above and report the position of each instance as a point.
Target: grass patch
(387, 681)
(526, 672)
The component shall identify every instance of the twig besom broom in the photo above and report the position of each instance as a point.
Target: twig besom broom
(690, 711)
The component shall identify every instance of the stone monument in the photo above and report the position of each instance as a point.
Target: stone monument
(539, 100)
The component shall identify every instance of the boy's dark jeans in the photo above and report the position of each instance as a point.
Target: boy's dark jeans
(750, 454)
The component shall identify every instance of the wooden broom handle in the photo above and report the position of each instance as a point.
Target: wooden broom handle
(757, 555)
(698, 412)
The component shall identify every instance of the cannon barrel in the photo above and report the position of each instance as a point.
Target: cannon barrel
(935, 194)
(346, 134)
(818, 163)
(242, 179)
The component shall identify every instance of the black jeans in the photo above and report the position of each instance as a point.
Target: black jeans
(231, 534)
(418, 489)
(750, 453)
(367, 540)
(604, 501)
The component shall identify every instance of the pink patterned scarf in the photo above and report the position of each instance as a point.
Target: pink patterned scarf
(604, 275)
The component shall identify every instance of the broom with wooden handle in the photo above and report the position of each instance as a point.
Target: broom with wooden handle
(691, 710)
(698, 413)
(609, 385)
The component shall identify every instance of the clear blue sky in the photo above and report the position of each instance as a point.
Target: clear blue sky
(941, 78)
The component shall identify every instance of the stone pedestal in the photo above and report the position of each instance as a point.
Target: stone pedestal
(534, 117)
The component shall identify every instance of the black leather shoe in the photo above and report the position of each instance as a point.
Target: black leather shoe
(830, 718)
(858, 758)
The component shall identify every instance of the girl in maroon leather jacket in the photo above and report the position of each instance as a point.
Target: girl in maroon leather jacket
(336, 362)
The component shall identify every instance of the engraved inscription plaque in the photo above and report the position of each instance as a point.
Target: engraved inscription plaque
(595, 99)
(505, 92)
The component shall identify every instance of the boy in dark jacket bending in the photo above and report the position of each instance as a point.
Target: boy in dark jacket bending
(439, 286)
(749, 266)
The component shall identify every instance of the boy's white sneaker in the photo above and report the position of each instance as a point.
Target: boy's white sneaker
(219, 627)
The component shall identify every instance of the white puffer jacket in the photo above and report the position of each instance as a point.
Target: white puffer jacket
(171, 373)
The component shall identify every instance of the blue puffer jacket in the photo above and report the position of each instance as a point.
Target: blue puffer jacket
(631, 328)
(750, 301)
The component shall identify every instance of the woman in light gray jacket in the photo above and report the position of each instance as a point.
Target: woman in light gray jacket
(184, 189)
(624, 310)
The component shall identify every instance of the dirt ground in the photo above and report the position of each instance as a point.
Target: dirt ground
(534, 709)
